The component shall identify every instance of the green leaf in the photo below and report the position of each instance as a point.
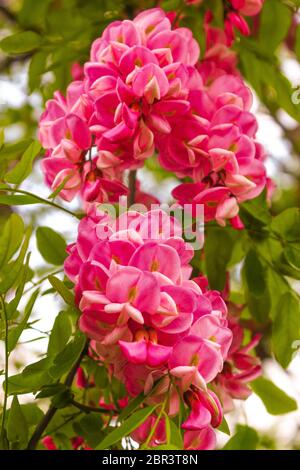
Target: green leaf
(218, 249)
(278, 286)
(16, 332)
(255, 212)
(17, 428)
(19, 43)
(62, 289)
(286, 328)
(51, 245)
(11, 238)
(90, 428)
(36, 69)
(245, 438)
(32, 379)
(224, 427)
(32, 413)
(1, 138)
(18, 200)
(256, 288)
(254, 273)
(276, 401)
(62, 399)
(67, 357)
(275, 20)
(33, 13)
(60, 334)
(132, 406)
(51, 390)
(175, 435)
(287, 224)
(291, 254)
(11, 272)
(24, 166)
(126, 427)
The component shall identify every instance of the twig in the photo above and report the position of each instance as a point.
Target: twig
(132, 187)
(90, 409)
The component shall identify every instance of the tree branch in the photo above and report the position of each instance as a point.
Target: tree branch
(90, 409)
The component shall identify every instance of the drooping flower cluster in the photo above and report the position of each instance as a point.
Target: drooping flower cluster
(148, 320)
(145, 91)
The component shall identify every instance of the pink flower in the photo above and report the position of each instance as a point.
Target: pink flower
(203, 439)
(141, 433)
(205, 410)
(240, 368)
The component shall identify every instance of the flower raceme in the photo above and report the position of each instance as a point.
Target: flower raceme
(144, 90)
(133, 287)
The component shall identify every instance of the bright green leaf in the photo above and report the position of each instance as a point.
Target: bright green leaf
(276, 401)
(19, 43)
(286, 328)
(51, 245)
(126, 427)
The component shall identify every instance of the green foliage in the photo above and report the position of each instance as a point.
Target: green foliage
(286, 328)
(51, 245)
(135, 420)
(19, 43)
(275, 400)
(245, 438)
(216, 260)
(24, 166)
(17, 427)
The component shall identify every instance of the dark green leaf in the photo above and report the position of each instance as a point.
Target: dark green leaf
(255, 274)
(216, 259)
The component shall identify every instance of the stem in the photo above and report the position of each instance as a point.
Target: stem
(33, 442)
(157, 420)
(132, 188)
(3, 308)
(40, 281)
(42, 200)
(89, 409)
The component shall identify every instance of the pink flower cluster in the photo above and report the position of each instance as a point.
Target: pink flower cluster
(145, 91)
(150, 322)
